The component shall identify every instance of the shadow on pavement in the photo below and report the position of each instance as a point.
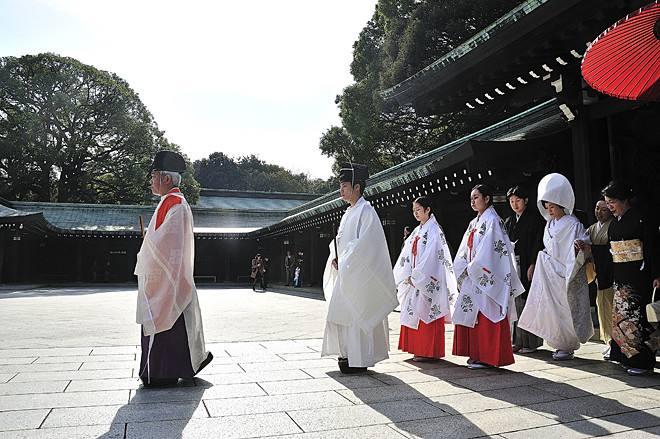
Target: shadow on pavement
(160, 413)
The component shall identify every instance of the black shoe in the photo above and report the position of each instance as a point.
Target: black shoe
(205, 363)
(348, 370)
(159, 382)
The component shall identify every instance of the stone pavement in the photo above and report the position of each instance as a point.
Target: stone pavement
(68, 370)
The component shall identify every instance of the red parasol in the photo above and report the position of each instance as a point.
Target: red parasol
(624, 61)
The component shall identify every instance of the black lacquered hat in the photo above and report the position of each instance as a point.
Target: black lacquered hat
(168, 161)
(353, 173)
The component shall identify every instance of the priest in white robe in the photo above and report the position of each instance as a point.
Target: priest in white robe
(167, 307)
(358, 283)
(558, 308)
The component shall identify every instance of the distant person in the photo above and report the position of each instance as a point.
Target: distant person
(266, 273)
(167, 307)
(358, 282)
(558, 307)
(257, 272)
(406, 233)
(297, 277)
(602, 259)
(426, 286)
(525, 230)
(289, 266)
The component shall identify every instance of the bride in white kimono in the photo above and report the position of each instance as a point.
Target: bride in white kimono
(558, 308)
(358, 282)
(426, 286)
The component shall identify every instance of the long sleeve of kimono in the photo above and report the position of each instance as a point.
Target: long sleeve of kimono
(364, 266)
(492, 267)
(425, 264)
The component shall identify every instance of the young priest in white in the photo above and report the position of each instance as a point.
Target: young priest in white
(358, 282)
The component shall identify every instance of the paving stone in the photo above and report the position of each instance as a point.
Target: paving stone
(4, 377)
(23, 368)
(241, 349)
(480, 424)
(18, 388)
(649, 433)
(104, 365)
(53, 400)
(445, 373)
(319, 385)
(105, 384)
(142, 395)
(592, 427)
(282, 365)
(85, 358)
(521, 396)
(115, 431)
(311, 355)
(115, 350)
(52, 352)
(254, 377)
(226, 428)
(371, 432)
(593, 406)
(73, 375)
(496, 381)
(110, 414)
(363, 415)
(285, 347)
(468, 403)
(274, 403)
(17, 360)
(22, 420)
(401, 392)
(212, 369)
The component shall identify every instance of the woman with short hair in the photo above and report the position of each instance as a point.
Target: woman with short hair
(426, 285)
(635, 249)
(487, 284)
(558, 308)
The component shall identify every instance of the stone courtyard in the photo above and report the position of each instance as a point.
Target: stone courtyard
(68, 370)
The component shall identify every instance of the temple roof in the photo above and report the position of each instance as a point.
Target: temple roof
(512, 61)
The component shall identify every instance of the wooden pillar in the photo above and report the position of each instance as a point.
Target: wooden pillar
(581, 163)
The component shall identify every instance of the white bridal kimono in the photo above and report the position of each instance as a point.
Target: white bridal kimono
(557, 307)
(362, 293)
(433, 288)
(166, 288)
(487, 277)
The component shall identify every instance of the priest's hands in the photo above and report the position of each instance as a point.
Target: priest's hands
(334, 264)
(656, 282)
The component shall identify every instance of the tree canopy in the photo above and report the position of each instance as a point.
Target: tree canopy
(402, 37)
(72, 133)
(220, 171)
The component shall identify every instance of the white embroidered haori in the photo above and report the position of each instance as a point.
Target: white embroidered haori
(426, 260)
(486, 273)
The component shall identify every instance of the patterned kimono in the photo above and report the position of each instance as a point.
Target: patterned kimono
(425, 299)
(634, 269)
(488, 284)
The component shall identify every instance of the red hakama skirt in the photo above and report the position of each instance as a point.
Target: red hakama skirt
(487, 342)
(428, 340)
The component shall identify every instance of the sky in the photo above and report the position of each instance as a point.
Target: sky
(242, 77)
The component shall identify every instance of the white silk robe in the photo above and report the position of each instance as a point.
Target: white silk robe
(362, 293)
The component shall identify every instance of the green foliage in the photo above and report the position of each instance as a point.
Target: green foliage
(402, 37)
(72, 133)
(220, 171)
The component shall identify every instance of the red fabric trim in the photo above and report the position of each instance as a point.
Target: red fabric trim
(428, 340)
(487, 342)
(414, 250)
(166, 205)
(470, 242)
